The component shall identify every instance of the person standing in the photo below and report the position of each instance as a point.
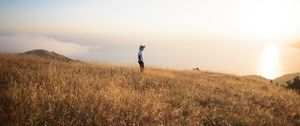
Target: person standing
(140, 57)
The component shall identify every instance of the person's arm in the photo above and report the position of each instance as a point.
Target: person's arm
(140, 56)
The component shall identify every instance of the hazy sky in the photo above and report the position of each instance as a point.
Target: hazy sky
(234, 36)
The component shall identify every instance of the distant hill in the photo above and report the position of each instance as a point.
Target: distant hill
(256, 77)
(47, 54)
(283, 79)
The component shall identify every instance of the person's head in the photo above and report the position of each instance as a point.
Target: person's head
(142, 47)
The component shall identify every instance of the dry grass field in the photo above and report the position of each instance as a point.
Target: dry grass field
(40, 91)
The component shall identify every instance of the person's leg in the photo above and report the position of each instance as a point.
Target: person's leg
(140, 63)
(142, 67)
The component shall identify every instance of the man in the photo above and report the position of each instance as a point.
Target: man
(140, 57)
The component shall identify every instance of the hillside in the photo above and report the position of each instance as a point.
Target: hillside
(47, 54)
(257, 78)
(40, 91)
(283, 79)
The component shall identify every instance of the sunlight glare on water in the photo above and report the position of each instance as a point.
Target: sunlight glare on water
(270, 61)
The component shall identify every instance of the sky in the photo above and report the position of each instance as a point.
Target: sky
(241, 37)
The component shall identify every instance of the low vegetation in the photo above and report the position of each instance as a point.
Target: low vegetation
(294, 84)
(41, 91)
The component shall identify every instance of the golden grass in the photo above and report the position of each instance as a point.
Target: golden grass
(37, 91)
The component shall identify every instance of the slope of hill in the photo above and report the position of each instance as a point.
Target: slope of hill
(256, 77)
(47, 54)
(40, 91)
(283, 79)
